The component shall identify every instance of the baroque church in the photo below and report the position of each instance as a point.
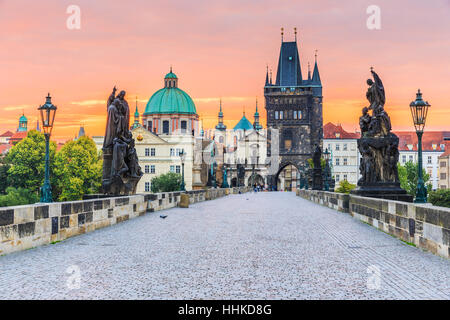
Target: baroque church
(294, 116)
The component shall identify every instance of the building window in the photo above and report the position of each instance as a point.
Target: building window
(442, 164)
(147, 152)
(337, 161)
(300, 115)
(345, 147)
(337, 147)
(345, 177)
(172, 152)
(443, 176)
(166, 126)
(183, 126)
(276, 115)
(403, 158)
(345, 163)
(429, 160)
(152, 152)
(281, 115)
(177, 169)
(411, 158)
(152, 169)
(147, 168)
(221, 139)
(337, 178)
(172, 168)
(147, 187)
(149, 126)
(295, 114)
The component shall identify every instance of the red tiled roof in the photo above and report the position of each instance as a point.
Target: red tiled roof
(429, 139)
(18, 136)
(6, 134)
(332, 131)
(447, 150)
(4, 147)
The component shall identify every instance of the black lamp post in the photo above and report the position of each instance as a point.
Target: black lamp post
(182, 157)
(419, 111)
(47, 111)
(326, 184)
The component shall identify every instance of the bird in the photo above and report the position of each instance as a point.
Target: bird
(163, 216)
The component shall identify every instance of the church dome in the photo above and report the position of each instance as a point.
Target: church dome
(243, 124)
(170, 99)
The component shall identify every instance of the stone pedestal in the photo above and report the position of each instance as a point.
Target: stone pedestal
(317, 179)
(383, 190)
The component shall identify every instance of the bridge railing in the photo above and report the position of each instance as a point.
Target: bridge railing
(424, 225)
(28, 226)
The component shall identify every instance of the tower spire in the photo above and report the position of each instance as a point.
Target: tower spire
(256, 124)
(282, 34)
(309, 71)
(295, 32)
(267, 74)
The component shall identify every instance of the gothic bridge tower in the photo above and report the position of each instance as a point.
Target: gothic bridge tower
(294, 108)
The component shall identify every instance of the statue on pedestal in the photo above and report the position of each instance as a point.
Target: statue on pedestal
(121, 170)
(378, 147)
(317, 183)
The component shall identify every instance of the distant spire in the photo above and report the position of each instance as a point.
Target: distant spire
(295, 32)
(271, 76)
(309, 71)
(170, 68)
(282, 34)
(267, 75)
(256, 124)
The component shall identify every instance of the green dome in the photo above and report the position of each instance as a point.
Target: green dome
(171, 75)
(23, 119)
(243, 124)
(170, 100)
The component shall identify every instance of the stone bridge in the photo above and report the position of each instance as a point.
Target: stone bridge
(268, 245)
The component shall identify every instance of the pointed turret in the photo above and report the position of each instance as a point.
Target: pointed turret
(136, 116)
(267, 76)
(220, 125)
(256, 124)
(289, 71)
(316, 76)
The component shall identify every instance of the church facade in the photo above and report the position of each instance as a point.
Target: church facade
(294, 113)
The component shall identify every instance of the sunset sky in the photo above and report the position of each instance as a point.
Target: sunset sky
(218, 49)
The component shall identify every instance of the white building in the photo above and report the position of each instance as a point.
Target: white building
(345, 156)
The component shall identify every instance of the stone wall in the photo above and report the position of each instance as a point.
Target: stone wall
(333, 200)
(424, 225)
(25, 227)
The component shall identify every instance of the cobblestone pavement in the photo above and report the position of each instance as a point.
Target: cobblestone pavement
(250, 246)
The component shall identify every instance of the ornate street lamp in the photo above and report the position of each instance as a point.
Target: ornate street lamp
(47, 111)
(182, 157)
(225, 176)
(326, 185)
(419, 111)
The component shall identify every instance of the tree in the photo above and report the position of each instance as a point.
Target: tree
(440, 198)
(19, 196)
(167, 182)
(408, 177)
(4, 167)
(345, 187)
(27, 162)
(77, 170)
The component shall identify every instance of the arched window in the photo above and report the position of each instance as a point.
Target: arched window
(221, 139)
(166, 126)
(276, 114)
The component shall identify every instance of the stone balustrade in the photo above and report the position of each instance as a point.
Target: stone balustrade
(28, 226)
(424, 225)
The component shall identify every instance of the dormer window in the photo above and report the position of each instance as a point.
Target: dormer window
(410, 146)
(434, 146)
(338, 135)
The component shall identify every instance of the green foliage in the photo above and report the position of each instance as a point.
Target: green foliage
(311, 163)
(4, 167)
(77, 170)
(27, 162)
(440, 197)
(408, 176)
(345, 187)
(16, 197)
(166, 182)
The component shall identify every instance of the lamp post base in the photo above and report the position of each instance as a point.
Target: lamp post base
(421, 193)
(46, 193)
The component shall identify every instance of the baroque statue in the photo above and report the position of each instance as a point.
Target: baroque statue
(121, 170)
(378, 148)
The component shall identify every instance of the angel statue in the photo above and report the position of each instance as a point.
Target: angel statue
(380, 123)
